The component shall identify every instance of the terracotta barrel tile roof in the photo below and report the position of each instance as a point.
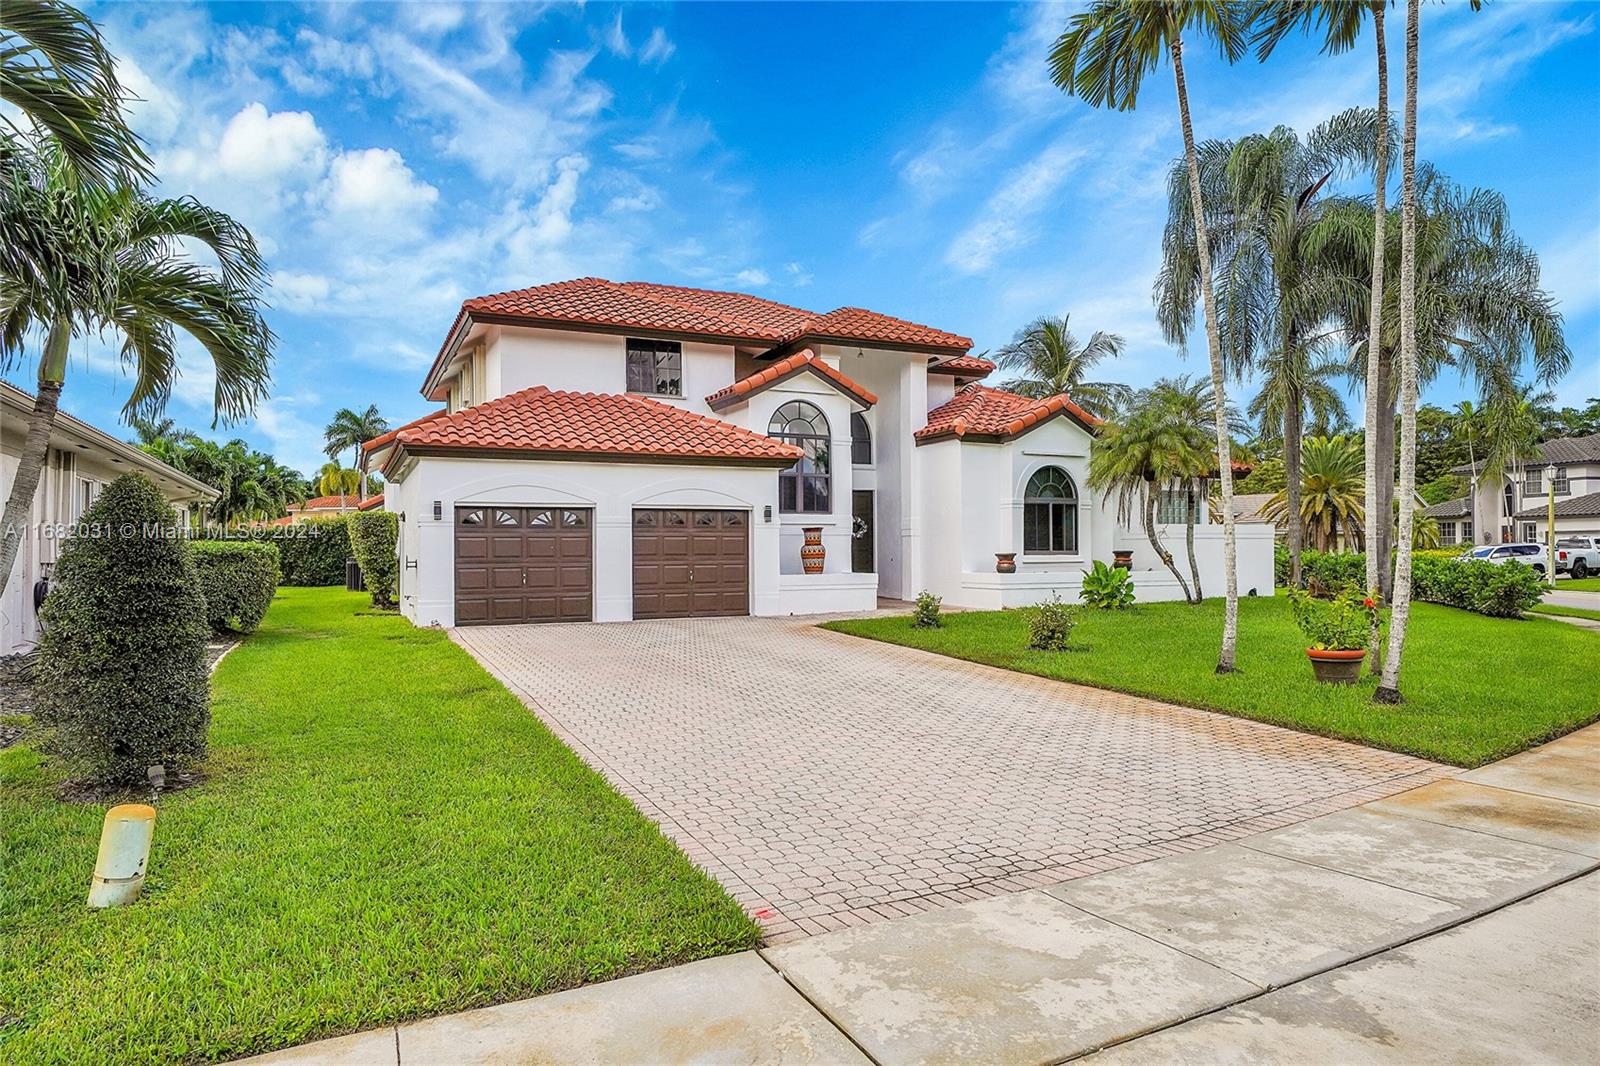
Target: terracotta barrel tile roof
(596, 301)
(983, 412)
(867, 327)
(801, 362)
(325, 503)
(965, 366)
(371, 503)
(767, 314)
(538, 420)
(384, 438)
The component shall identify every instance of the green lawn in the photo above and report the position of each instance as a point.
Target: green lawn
(1476, 688)
(1585, 584)
(1569, 612)
(386, 834)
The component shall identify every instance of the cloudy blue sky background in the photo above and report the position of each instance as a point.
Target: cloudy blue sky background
(394, 160)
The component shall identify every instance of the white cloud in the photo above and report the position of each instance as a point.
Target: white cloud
(376, 183)
(1006, 219)
(271, 147)
(616, 39)
(754, 277)
(657, 49)
(299, 292)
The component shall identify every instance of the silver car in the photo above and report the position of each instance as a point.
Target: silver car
(1532, 555)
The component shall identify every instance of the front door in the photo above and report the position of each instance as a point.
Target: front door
(863, 534)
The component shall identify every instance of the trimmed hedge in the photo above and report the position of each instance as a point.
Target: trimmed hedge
(372, 537)
(1500, 590)
(238, 579)
(312, 552)
(121, 679)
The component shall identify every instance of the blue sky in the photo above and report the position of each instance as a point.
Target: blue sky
(909, 158)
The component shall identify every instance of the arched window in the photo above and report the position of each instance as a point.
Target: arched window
(806, 487)
(860, 440)
(1050, 513)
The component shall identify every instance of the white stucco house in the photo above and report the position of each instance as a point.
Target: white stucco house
(1515, 505)
(610, 451)
(81, 461)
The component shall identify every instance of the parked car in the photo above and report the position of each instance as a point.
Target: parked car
(1578, 556)
(1529, 554)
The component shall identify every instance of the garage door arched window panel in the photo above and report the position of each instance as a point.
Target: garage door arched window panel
(473, 517)
(807, 486)
(1050, 513)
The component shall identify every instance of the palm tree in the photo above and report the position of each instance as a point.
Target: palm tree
(1275, 290)
(1388, 690)
(350, 429)
(1102, 58)
(1325, 414)
(1330, 497)
(55, 70)
(1510, 423)
(336, 480)
(83, 259)
(1050, 361)
(1163, 445)
(1340, 22)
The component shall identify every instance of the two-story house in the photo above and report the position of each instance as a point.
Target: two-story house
(611, 451)
(1515, 505)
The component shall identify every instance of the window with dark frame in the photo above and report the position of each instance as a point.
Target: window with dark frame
(1559, 483)
(807, 486)
(1533, 483)
(655, 368)
(860, 440)
(1050, 513)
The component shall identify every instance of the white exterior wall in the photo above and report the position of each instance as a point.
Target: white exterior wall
(562, 360)
(613, 491)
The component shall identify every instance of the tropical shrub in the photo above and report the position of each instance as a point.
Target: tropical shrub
(372, 537)
(1280, 563)
(1503, 590)
(925, 612)
(1334, 572)
(1340, 624)
(312, 552)
(1106, 587)
(1050, 625)
(121, 680)
(237, 578)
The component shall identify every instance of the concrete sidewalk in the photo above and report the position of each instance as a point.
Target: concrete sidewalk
(1453, 922)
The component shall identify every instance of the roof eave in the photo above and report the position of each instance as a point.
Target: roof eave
(405, 451)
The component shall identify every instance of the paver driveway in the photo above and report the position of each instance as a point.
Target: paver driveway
(828, 780)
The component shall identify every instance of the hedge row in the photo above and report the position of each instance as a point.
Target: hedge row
(309, 553)
(238, 579)
(372, 538)
(1501, 590)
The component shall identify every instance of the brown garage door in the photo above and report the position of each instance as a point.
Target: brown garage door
(690, 564)
(523, 564)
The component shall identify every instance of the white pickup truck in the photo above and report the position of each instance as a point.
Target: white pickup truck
(1578, 556)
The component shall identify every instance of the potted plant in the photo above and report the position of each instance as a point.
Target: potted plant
(1338, 630)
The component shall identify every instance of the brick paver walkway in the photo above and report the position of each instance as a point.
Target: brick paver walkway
(828, 780)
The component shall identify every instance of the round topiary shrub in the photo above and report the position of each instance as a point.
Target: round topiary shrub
(121, 679)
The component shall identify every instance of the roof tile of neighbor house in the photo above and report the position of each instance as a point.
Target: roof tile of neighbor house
(980, 411)
(371, 503)
(1450, 508)
(965, 366)
(702, 312)
(538, 420)
(1586, 506)
(1561, 450)
(801, 362)
(326, 503)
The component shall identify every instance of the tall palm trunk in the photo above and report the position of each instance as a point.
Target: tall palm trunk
(1193, 506)
(1389, 690)
(1226, 655)
(1385, 474)
(1371, 539)
(35, 448)
(1161, 549)
(1293, 417)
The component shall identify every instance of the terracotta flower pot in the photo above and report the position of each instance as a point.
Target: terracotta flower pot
(1336, 667)
(1122, 559)
(1005, 562)
(812, 553)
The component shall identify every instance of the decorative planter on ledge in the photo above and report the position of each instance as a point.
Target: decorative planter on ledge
(1005, 562)
(1336, 667)
(812, 554)
(1122, 559)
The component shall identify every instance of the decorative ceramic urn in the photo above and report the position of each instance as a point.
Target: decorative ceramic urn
(812, 553)
(1005, 562)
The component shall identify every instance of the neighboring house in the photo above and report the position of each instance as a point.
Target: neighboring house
(322, 507)
(1455, 521)
(81, 461)
(612, 451)
(1515, 507)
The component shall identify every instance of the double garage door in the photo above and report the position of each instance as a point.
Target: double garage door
(536, 564)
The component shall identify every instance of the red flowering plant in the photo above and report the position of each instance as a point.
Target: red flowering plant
(1340, 624)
